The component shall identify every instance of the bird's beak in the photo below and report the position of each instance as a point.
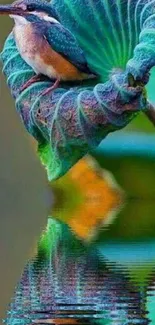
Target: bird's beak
(11, 10)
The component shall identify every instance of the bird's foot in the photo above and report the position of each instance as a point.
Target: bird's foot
(48, 90)
(34, 79)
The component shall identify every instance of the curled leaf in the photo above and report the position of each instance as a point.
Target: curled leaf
(73, 119)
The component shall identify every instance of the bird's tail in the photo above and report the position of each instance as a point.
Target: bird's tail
(89, 76)
(92, 76)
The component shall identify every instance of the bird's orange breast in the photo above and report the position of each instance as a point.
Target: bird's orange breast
(65, 69)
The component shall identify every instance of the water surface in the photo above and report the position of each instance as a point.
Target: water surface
(95, 263)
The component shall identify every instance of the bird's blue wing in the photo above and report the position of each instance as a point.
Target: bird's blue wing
(64, 42)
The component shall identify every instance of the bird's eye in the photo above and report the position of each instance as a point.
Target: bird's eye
(30, 8)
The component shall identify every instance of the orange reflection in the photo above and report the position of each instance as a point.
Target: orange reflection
(100, 198)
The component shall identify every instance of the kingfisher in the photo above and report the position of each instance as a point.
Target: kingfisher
(48, 47)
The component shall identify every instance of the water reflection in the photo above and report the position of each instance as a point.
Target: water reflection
(108, 280)
(87, 198)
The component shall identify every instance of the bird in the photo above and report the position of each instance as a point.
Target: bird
(48, 47)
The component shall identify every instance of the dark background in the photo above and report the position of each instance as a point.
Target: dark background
(23, 190)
